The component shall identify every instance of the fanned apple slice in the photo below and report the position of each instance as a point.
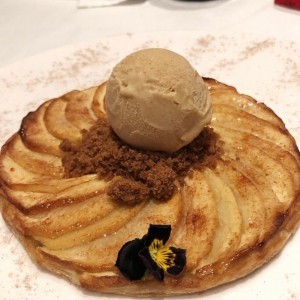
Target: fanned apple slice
(57, 124)
(275, 175)
(57, 222)
(229, 230)
(78, 110)
(35, 135)
(52, 186)
(34, 202)
(101, 254)
(241, 102)
(274, 209)
(285, 158)
(12, 173)
(229, 117)
(103, 226)
(43, 164)
(200, 219)
(250, 204)
(98, 100)
(18, 178)
(24, 200)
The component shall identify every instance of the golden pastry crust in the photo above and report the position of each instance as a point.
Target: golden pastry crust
(231, 219)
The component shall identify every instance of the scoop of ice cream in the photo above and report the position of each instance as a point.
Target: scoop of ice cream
(156, 100)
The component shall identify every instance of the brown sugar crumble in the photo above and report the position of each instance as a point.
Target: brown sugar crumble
(140, 174)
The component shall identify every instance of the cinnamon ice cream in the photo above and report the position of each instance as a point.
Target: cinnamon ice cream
(156, 100)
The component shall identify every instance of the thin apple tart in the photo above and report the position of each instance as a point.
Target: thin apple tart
(138, 223)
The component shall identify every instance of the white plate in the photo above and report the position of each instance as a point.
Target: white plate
(265, 68)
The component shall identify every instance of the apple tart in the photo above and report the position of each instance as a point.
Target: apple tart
(224, 216)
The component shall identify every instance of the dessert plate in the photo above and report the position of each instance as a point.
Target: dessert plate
(263, 67)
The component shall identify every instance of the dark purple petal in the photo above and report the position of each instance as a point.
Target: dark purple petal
(180, 261)
(150, 253)
(159, 232)
(151, 265)
(129, 261)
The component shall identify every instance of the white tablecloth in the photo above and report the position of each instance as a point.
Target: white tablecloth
(32, 26)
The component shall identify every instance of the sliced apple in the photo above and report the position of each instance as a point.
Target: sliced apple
(60, 221)
(13, 173)
(241, 102)
(57, 124)
(98, 100)
(288, 160)
(101, 253)
(229, 117)
(78, 110)
(36, 202)
(228, 233)
(18, 178)
(35, 162)
(199, 221)
(250, 204)
(100, 227)
(36, 136)
(275, 175)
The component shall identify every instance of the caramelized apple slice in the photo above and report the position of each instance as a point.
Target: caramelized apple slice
(241, 102)
(250, 204)
(52, 186)
(19, 178)
(285, 158)
(102, 226)
(228, 233)
(60, 221)
(275, 175)
(98, 101)
(229, 117)
(78, 110)
(199, 221)
(91, 256)
(35, 202)
(43, 164)
(36, 136)
(57, 124)
(11, 172)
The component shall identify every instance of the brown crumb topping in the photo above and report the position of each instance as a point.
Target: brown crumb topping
(141, 174)
(128, 190)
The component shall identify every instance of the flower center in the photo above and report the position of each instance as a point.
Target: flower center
(163, 256)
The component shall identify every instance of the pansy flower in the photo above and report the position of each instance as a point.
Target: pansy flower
(151, 253)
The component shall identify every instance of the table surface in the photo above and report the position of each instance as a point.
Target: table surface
(33, 26)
